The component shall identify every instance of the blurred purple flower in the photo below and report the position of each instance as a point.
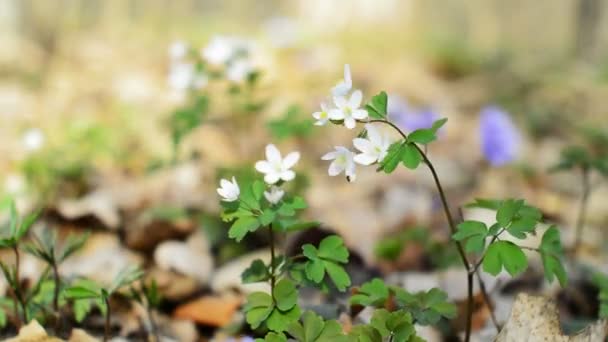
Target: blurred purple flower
(500, 139)
(409, 119)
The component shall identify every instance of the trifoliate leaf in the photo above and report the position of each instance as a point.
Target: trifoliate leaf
(551, 253)
(256, 272)
(285, 294)
(242, 226)
(377, 107)
(268, 215)
(426, 307)
(372, 293)
(422, 136)
(504, 254)
(475, 233)
(315, 270)
(438, 124)
(410, 156)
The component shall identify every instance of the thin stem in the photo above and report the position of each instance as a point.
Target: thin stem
(486, 298)
(272, 255)
(582, 214)
(152, 323)
(451, 224)
(57, 280)
(106, 330)
(18, 292)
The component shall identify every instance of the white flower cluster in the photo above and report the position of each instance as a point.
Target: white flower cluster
(232, 53)
(183, 73)
(372, 149)
(275, 168)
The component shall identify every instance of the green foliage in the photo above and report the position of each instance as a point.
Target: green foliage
(314, 329)
(601, 281)
(16, 228)
(475, 233)
(507, 255)
(373, 293)
(397, 325)
(328, 259)
(289, 125)
(256, 272)
(277, 312)
(184, 120)
(552, 253)
(428, 307)
(377, 107)
(592, 154)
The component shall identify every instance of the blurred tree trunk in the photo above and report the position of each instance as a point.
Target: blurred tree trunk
(588, 16)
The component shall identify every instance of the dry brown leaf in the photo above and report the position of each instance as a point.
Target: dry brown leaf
(535, 318)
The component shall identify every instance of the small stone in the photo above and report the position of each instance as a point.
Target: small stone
(33, 332)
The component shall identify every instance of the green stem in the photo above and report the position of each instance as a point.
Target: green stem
(106, 330)
(153, 323)
(18, 291)
(272, 256)
(486, 298)
(582, 214)
(57, 280)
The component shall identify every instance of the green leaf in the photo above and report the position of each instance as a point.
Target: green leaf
(411, 156)
(397, 325)
(485, 204)
(392, 158)
(315, 270)
(27, 224)
(257, 189)
(372, 293)
(80, 292)
(519, 227)
(279, 320)
(475, 233)
(426, 307)
(268, 215)
(285, 294)
(256, 272)
(242, 226)
(258, 308)
(422, 136)
(338, 275)
(551, 253)
(507, 211)
(504, 254)
(377, 107)
(332, 248)
(438, 124)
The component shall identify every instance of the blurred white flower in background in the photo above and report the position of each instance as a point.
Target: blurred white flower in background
(345, 85)
(239, 70)
(14, 184)
(178, 50)
(33, 139)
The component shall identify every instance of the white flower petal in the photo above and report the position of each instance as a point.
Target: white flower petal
(271, 178)
(335, 169)
(350, 123)
(365, 159)
(340, 101)
(348, 81)
(288, 175)
(355, 99)
(291, 159)
(273, 155)
(363, 145)
(263, 166)
(336, 114)
(359, 114)
(330, 155)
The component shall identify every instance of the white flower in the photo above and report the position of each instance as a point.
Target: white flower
(33, 139)
(178, 50)
(218, 51)
(229, 190)
(348, 110)
(342, 88)
(321, 116)
(274, 195)
(342, 162)
(374, 148)
(239, 70)
(276, 167)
